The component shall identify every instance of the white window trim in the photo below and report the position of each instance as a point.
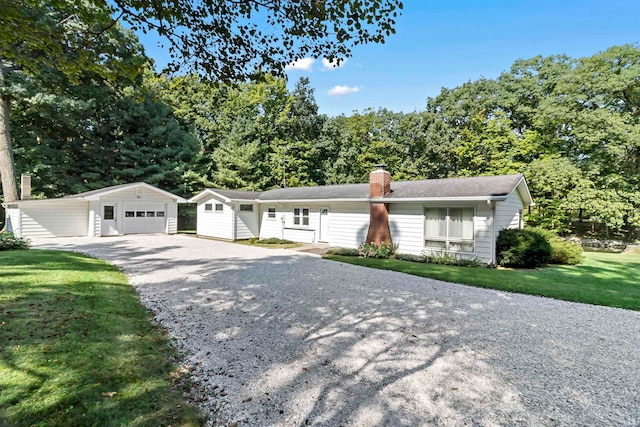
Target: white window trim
(245, 205)
(215, 208)
(208, 211)
(293, 211)
(446, 239)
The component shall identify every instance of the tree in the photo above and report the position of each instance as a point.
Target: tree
(71, 37)
(228, 41)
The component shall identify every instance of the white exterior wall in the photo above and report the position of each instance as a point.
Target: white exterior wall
(215, 224)
(95, 217)
(247, 222)
(270, 227)
(172, 217)
(54, 219)
(508, 212)
(348, 224)
(485, 240)
(406, 222)
(283, 228)
(138, 196)
(13, 221)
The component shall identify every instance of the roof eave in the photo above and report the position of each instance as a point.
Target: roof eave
(440, 199)
(97, 196)
(312, 200)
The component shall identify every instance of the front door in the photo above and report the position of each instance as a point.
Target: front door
(323, 234)
(109, 221)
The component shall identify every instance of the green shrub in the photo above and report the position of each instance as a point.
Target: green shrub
(344, 251)
(410, 257)
(565, 252)
(527, 248)
(447, 258)
(274, 241)
(371, 250)
(562, 251)
(8, 242)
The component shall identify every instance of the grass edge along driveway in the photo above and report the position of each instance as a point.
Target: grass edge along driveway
(78, 348)
(603, 279)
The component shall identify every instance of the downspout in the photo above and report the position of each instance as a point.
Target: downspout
(493, 232)
(234, 218)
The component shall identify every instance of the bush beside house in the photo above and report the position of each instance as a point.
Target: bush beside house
(8, 242)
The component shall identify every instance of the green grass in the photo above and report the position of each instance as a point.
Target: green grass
(77, 347)
(268, 245)
(603, 279)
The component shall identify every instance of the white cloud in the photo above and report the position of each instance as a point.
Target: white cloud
(343, 90)
(332, 65)
(303, 64)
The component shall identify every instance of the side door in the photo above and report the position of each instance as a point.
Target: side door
(323, 233)
(109, 223)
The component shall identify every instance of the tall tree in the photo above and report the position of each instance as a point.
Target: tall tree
(224, 40)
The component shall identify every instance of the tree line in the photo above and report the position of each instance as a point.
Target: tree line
(570, 125)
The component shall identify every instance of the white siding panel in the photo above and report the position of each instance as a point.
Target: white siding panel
(56, 219)
(271, 227)
(508, 212)
(406, 222)
(13, 221)
(215, 224)
(483, 232)
(247, 226)
(348, 223)
(302, 235)
(172, 218)
(139, 194)
(95, 224)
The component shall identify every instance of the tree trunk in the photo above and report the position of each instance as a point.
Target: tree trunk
(7, 166)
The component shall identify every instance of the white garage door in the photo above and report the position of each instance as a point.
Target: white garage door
(145, 218)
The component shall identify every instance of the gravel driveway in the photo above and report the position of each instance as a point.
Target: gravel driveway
(277, 337)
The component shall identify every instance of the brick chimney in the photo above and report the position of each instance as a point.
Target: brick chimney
(379, 187)
(25, 186)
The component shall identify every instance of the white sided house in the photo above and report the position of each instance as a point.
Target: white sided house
(111, 211)
(457, 215)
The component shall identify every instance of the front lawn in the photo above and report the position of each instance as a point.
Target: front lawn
(77, 348)
(603, 279)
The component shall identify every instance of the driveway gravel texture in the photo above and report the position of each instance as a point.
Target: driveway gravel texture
(274, 337)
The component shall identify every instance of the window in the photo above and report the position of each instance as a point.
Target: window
(109, 212)
(300, 216)
(246, 208)
(449, 229)
(160, 214)
(151, 214)
(139, 214)
(219, 207)
(208, 207)
(271, 213)
(129, 214)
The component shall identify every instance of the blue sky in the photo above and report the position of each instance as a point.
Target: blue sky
(443, 43)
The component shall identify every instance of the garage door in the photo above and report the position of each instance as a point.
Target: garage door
(145, 218)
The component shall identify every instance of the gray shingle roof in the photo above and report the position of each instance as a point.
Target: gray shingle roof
(343, 191)
(480, 186)
(237, 194)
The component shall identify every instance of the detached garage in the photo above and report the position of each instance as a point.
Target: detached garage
(111, 211)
